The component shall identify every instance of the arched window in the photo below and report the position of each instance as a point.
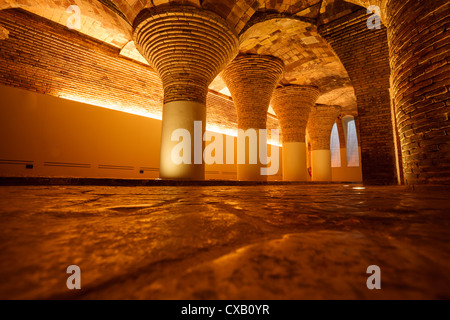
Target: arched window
(335, 147)
(352, 141)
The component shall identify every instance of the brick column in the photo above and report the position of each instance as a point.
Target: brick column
(320, 125)
(292, 104)
(365, 55)
(188, 47)
(418, 42)
(251, 80)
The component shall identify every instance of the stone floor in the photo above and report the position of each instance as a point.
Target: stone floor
(206, 242)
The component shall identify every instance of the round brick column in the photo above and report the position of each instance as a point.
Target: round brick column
(320, 125)
(251, 80)
(418, 42)
(292, 104)
(188, 47)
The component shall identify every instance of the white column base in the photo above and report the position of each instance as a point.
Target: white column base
(294, 161)
(181, 115)
(247, 171)
(321, 165)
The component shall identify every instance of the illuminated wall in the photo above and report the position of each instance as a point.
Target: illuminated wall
(56, 137)
(65, 138)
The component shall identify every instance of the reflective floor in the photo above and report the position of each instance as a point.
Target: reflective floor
(260, 242)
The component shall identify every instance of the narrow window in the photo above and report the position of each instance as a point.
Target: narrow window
(352, 145)
(335, 147)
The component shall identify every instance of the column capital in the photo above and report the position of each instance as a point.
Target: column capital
(292, 105)
(320, 124)
(251, 79)
(187, 46)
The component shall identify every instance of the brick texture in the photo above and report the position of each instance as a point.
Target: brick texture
(187, 46)
(320, 125)
(3, 33)
(97, 20)
(365, 55)
(251, 80)
(292, 104)
(419, 54)
(45, 57)
(307, 57)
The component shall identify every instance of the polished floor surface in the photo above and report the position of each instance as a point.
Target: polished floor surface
(209, 242)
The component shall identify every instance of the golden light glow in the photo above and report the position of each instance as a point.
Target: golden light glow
(126, 109)
(146, 113)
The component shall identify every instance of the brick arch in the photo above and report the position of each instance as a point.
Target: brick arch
(365, 55)
(367, 3)
(236, 13)
(239, 12)
(308, 57)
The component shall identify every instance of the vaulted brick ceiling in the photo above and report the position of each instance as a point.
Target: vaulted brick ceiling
(97, 20)
(284, 28)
